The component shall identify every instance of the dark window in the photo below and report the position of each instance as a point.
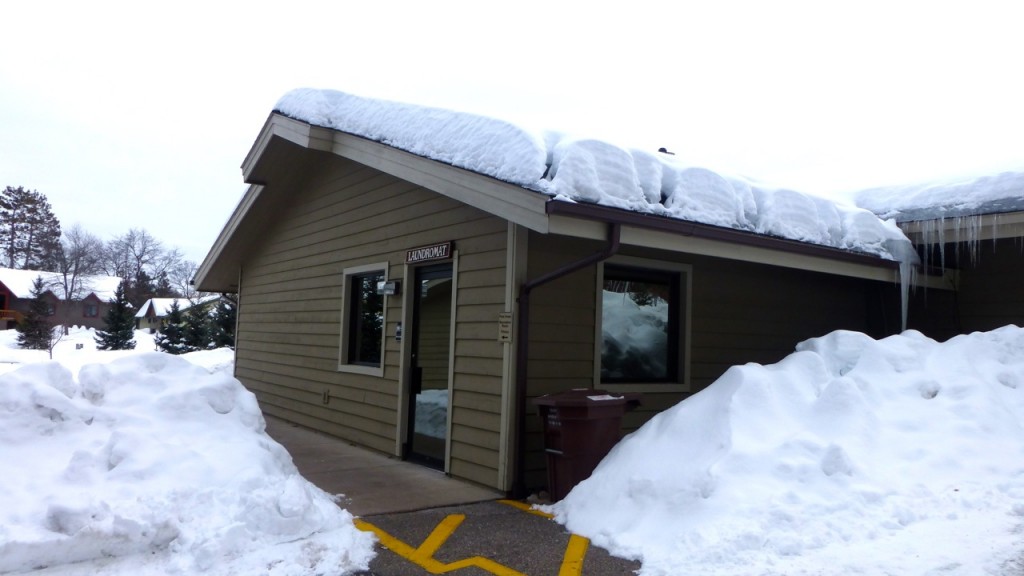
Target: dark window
(639, 325)
(90, 310)
(50, 309)
(366, 319)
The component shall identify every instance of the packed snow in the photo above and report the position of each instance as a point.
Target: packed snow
(989, 194)
(143, 463)
(896, 456)
(574, 169)
(850, 456)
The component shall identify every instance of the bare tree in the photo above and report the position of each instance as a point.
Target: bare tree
(77, 259)
(143, 262)
(181, 280)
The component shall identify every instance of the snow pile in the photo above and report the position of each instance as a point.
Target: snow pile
(593, 171)
(991, 194)
(152, 464)
(898, 456)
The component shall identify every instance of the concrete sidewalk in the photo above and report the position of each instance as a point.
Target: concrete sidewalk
(372, 483)
(428, 523)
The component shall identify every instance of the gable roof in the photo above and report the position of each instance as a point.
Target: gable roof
(162, 306)
(569, 186)
(20, 283)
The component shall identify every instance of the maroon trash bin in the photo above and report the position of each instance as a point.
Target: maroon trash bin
(580, 427)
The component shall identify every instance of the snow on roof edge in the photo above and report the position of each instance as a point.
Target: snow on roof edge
(589, 170)
(20, 283)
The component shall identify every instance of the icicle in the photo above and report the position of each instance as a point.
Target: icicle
(905, 253)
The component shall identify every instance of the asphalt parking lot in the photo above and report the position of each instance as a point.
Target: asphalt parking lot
(429, 523)
(501, 537)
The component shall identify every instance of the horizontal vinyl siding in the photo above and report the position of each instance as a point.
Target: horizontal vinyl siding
(561, 330)
(345, 215)
(991, 290)
(741, 312)
(753, 313)
(476, 401)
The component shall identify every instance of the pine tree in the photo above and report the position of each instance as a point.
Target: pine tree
(29, 231)
(35, 331)
(197, 330)
(120, 324)
(222, 323)
(171, 337)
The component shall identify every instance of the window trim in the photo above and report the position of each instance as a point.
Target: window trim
(344, 365)
(681, 383)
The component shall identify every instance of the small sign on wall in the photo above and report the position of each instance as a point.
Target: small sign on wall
(504, 327)
(441, 251)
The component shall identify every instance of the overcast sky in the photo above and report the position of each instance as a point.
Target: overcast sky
(135, 114)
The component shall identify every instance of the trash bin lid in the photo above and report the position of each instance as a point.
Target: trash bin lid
(581, 397)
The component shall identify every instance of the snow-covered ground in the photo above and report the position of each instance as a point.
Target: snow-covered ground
(850, 456)
(142, 463)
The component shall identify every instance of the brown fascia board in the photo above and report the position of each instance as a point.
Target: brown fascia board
(715, 233)
(992, 226)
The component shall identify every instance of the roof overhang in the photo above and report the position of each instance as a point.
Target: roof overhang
(587, 220)
(965, 228)
(286, 148)
(281, 154)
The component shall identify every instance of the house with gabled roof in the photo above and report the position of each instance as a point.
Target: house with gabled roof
(393, 261)
(86, 308)
(153, 313)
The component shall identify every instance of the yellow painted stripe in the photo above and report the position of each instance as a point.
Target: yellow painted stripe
(439, 536)
(423, 555)
(528, 508)
(572, 562)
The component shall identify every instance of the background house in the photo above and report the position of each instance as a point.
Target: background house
(87, 305)
(153, 312)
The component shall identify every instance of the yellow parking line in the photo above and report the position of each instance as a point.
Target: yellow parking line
(572, 562)
(526, 508)
(423, 555)
(439, 536)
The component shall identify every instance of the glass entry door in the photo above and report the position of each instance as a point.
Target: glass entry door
(431, 350)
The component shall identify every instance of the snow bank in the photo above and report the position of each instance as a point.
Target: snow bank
(586, 170)
(152, 464)
(898, 456)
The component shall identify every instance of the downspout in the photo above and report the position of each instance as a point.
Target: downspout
(523, 344)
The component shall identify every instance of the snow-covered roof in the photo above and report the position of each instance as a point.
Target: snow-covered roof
(573, 169)
(20, 283)
(162, 306)
(991, 194)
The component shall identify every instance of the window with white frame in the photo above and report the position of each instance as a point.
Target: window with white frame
(642, 321)
(362, 330)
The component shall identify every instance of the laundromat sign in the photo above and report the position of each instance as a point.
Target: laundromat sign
(441, 251)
